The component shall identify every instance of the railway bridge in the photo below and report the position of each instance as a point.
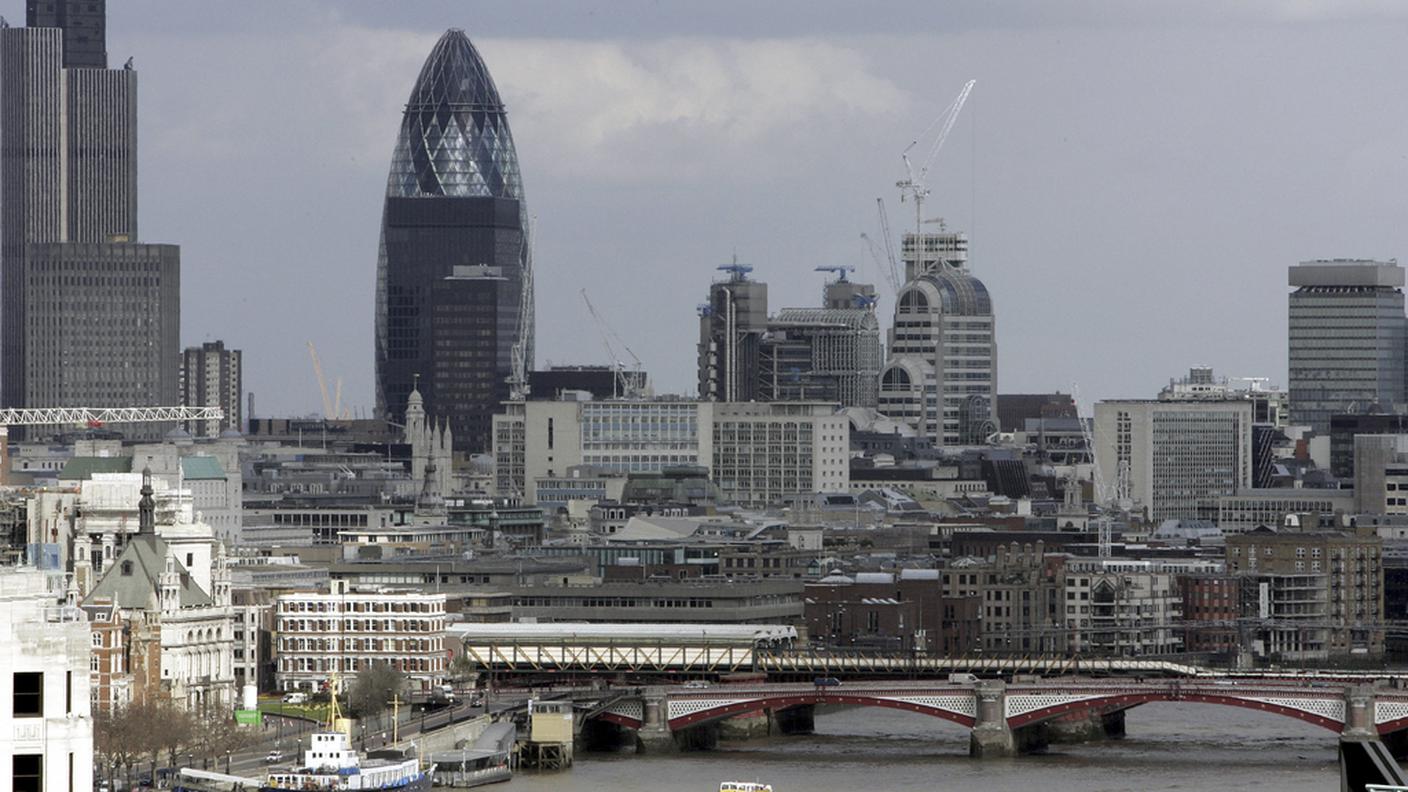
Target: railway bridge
(1006, 719)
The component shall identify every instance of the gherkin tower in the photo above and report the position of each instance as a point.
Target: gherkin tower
(454, 280)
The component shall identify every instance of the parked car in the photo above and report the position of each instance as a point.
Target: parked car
(274, 757)
(295, 698)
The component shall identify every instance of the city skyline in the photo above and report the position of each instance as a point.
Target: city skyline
(1106, 143)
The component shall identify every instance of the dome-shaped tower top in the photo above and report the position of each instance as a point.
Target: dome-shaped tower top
(455, 139)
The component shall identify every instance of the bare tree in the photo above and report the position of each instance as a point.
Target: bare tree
(373, 689)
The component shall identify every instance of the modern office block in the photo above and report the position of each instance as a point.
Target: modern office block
(1346, 340)
(454, 308)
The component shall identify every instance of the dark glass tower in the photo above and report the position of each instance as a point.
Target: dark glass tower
(454, 288)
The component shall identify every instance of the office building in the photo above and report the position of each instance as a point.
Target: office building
(756, 452)
(1258, 507)
(90, 316)
(46, 727)
(941, 377)
(102, 324)
(821, 354)
(731, 329)
(1346, 340)
(345, 630)
(1122, 607)
(1168, 457)
(212, 376)
(454, 290)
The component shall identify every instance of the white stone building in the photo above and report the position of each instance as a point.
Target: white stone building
(46, 728)
(1170, 457)
(1121, 607)
(171, 584)
(344, 631)
(757, 452)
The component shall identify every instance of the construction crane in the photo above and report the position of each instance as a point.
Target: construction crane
(839, 269)
(629, 387)
(332, 407)
(736, 271)
(914, 184)
(521, 353)
(887, 271)
(96, 417)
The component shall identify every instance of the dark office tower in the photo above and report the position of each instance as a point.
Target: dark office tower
(454, 296)
(1347, 334)
(90, 316)
(84, 25)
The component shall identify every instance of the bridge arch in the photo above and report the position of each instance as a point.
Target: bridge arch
(955, 709)
(1327, 713)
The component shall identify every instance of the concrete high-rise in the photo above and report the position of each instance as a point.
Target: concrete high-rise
(1347, 336)
(454, 289)
(941, 377)
(212, 376)
(1171, 457)
(90, 316)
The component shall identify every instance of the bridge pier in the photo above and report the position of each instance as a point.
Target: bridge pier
(654, 735)
(796, 720)
(1364, 758)
(991, 736)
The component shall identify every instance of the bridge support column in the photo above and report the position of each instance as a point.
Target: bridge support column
(796, 720)
(654, 735)
(991, 737)
(1364, 759)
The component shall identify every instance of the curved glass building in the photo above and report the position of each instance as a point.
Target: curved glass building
(942, 374)
(454, 280)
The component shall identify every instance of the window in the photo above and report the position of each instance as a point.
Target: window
(28, 774)
(29, 695)
(127, 569)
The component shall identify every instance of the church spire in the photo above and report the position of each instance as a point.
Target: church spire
(146, 507)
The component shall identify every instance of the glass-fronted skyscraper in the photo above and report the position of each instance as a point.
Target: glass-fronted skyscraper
(1346, 340)
(454, 290)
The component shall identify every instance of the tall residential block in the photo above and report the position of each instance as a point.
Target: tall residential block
(1170, 457)
(212, 376)
(941, 377)
(1346, 339)
(90, 316)
(454, 281)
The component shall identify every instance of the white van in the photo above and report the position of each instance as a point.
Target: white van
(295, 698)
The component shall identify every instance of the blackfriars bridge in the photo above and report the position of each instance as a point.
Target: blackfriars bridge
(1005, 719)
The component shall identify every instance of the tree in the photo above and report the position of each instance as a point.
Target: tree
(373, 688)
(464, 670)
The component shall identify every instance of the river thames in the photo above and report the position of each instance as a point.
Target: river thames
(1168, 747)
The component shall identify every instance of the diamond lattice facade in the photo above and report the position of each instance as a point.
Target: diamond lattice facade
(454, 304)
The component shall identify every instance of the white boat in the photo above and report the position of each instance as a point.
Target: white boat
(744, 786)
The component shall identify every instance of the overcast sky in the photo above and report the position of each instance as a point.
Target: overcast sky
(1134, 176)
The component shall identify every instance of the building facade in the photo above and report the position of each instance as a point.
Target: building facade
(755, 451)
(941, 377)
(454, 302)
(344, 631)
(1122, 608)
(46, 727)
(1320, 592)
(212, 376)
(102, 325)
(90, 316)
(1168, 457)
(731, 329)
(1347, 338)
